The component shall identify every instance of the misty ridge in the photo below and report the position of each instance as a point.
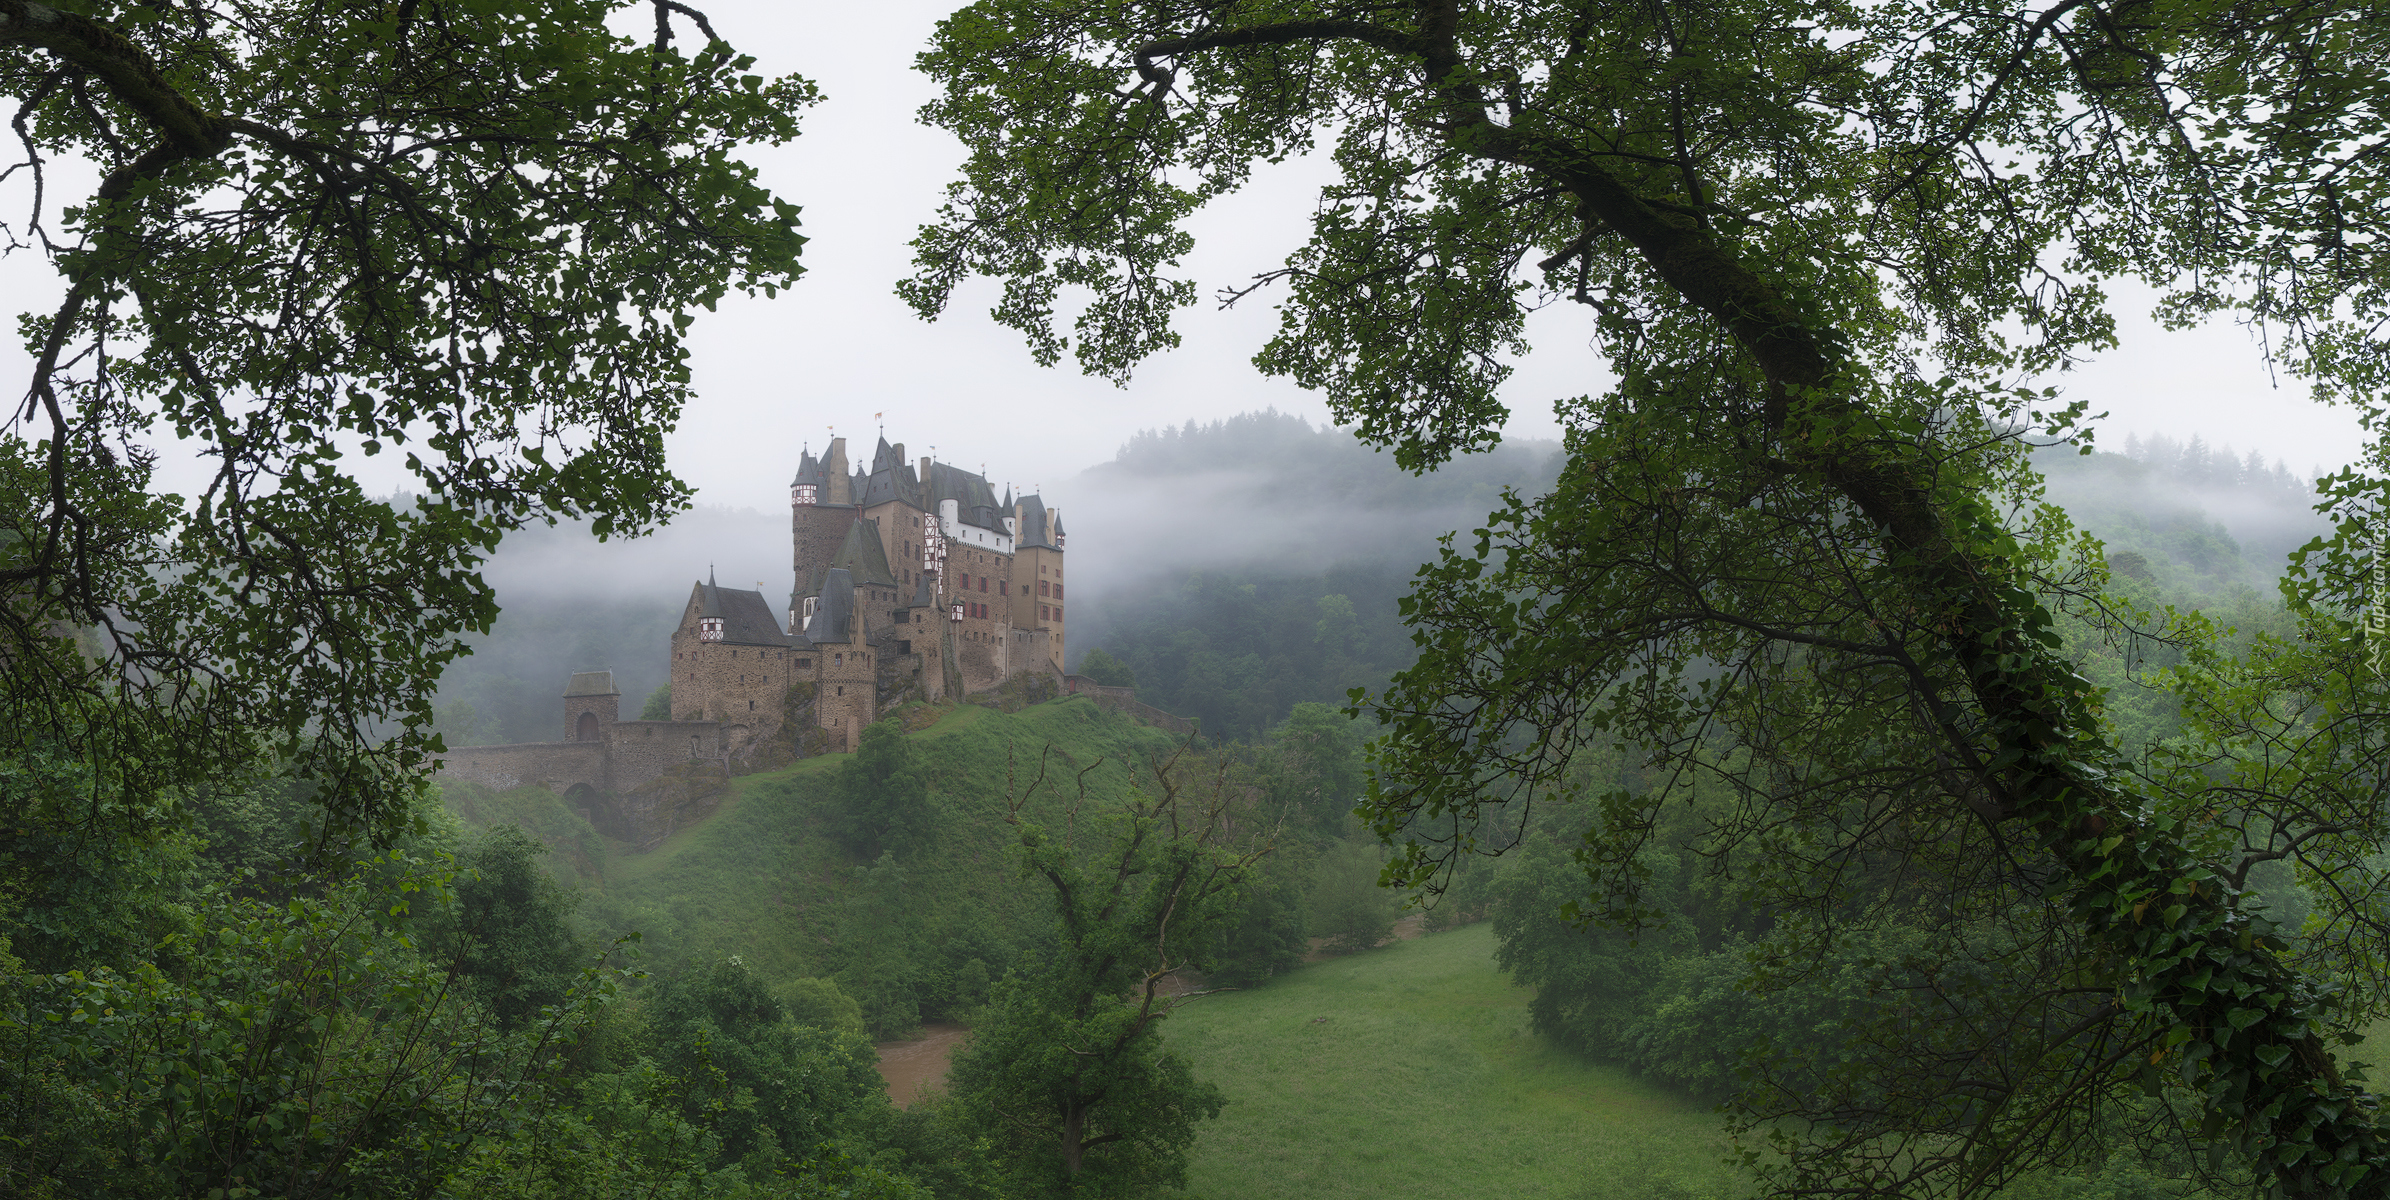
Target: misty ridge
(1240, 567)
(1269, 492)
(2211, 521)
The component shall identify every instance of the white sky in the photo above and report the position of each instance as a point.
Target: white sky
(772, 375)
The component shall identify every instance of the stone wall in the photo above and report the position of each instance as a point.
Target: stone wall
(606, 708)
(980, 579)
(554, 765)
(645, 815)
(1034, 566)
(817, 531)
(1030, 650)
(846, 699)
(738, 686)
(632, 753)
(1124, 700)
(638, 751)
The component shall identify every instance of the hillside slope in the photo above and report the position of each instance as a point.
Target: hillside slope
(910, 936)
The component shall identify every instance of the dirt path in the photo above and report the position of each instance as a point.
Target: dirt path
(918, 1066)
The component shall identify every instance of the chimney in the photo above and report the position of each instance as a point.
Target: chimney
(840, 487)
(925, 473)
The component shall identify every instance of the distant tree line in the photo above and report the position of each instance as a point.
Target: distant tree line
(2194, 464)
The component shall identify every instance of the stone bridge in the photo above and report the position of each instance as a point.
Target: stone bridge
(634, 780)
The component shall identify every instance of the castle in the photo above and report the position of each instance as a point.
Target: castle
(912, 582)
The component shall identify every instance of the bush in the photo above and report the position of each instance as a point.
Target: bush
(1107, 670)
(819, 1003)
(880, 797)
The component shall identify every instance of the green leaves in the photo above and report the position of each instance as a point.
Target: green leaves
(472, 244)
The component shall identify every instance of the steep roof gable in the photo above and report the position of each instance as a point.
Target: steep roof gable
(1036, 528)
(834, 612)
(747, 618)
(863, 556)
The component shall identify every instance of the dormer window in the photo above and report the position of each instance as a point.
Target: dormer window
(709, 629)
(803, 493)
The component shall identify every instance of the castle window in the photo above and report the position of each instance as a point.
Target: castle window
(842, 690)
(1042, 612)
(1044, 588)
(709, 629)
(804, 664)
(838, 660)
(750, 706)
(1058, 591)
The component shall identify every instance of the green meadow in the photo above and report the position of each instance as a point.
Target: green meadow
(1411, 1071)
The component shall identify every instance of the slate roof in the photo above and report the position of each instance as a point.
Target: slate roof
(1037, 525)
(591, 683)
(747, 618)
(967, 490)
(834, 612)
(890, 479)
(863, 556)
(810, 470)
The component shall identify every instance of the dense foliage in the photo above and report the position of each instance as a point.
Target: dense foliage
(1796, 551)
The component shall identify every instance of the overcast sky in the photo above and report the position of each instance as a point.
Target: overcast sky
(773, 375)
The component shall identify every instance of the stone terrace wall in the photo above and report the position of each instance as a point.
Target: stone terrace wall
(1121, 699)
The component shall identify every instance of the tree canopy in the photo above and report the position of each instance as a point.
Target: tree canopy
(1831, 253)
(463, 234)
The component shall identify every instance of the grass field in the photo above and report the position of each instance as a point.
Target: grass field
(1410, 1071)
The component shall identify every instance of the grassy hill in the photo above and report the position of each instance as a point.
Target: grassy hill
(760, 878)
(1411, 1071)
